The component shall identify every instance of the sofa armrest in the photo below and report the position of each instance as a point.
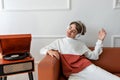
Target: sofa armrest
(48, 68)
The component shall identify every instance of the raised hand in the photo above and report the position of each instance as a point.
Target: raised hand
(101, 34)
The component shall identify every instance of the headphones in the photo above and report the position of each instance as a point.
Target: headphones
(82, 29)
(81, 25)
(79, 34)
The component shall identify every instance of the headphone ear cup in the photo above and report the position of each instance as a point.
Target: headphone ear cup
(77, 36)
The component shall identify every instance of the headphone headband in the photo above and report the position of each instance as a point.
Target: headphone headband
(81, 25)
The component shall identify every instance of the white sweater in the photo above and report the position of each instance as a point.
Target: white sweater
(74, 46)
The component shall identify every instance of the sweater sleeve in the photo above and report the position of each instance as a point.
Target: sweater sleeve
(96, 52)
(53, 45)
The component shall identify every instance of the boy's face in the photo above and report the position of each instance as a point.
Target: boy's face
(72, 31)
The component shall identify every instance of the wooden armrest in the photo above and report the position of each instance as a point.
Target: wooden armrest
(48, 68)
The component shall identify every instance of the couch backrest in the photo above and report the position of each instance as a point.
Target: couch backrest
(109, 59)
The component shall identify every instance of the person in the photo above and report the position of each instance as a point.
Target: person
(72, 44)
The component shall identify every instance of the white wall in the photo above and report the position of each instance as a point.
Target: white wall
(47, 25)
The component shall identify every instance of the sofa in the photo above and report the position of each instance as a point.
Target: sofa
(49, 68)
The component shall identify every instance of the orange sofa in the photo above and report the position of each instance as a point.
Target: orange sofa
(49, 67)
